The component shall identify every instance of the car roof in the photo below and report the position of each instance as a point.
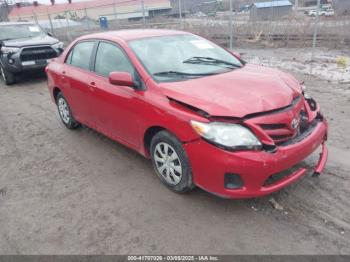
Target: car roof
(134, 34)
(16, 23)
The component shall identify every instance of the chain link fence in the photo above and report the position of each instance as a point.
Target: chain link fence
(276, 27)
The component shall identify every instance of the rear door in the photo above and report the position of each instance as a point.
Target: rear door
(76, 77)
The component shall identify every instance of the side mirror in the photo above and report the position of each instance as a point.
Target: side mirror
(121, 79)
(49, 34)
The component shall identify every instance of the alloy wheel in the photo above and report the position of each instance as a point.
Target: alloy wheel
(63, 110)
(168, 163)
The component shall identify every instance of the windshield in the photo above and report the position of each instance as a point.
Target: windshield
(8, 32)
(181, 57)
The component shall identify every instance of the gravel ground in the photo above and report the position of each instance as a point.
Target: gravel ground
(78, 192)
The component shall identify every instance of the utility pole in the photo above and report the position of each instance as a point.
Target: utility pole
(316, 29)
(231, 24)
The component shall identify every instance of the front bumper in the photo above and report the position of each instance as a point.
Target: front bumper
(210, 163)
(17, 66)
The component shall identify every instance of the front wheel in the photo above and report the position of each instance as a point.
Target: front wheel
(66, 113)
(171, 163)
(8, 77)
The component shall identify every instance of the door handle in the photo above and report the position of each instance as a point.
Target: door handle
(92, 85)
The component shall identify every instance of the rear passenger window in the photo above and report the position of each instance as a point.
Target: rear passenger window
(80, 55)
(111, 58)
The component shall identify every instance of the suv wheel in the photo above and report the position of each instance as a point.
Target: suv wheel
(8, 77)
(171, 163)
(65, 112)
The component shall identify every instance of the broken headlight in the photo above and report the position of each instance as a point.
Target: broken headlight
(312, 103)
(228, 136)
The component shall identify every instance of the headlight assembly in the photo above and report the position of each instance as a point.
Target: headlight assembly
(58, 45)
(227, 135)
(9, 50)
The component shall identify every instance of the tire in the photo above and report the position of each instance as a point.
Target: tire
(8, 77)
(171, 162)
(65, 112)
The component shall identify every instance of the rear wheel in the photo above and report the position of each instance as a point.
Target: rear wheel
(8, 77)
(66, 113)
(171, 163)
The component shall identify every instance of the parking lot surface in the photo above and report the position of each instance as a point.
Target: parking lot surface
(78, 192)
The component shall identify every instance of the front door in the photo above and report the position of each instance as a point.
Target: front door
(116, 113)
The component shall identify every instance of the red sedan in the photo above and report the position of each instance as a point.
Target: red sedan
(204, 116)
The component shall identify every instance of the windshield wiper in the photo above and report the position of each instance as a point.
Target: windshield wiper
(209, 61)
(176, 73)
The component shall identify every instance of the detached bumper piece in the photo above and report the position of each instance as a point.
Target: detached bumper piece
(322, 161)
(284, 178)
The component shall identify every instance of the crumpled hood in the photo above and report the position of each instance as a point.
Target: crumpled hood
(32, 41)
(244, 91)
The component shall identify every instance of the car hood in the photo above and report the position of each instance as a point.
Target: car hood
(238, 93)
(37, 40)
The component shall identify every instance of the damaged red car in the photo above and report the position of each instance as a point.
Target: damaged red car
(202, 115)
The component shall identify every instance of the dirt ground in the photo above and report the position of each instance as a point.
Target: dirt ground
(78, 192)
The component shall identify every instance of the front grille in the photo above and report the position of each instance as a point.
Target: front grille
(302, 135)
(37, 53)
(279, 133)
(272, 126)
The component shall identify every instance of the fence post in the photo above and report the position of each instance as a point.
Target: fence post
(68, 33)
(51, 25)
(231, 24)
(35, 18)
(115, 11)
(87, 19)
(314, 40)
(180, 14)
(143, 13)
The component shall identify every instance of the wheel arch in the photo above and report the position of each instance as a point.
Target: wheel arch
(148, 135)
(55, 92)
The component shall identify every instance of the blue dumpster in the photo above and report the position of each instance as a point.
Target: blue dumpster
(103, 22)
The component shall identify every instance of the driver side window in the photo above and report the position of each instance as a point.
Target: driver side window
(80, 55)
(110, 58)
